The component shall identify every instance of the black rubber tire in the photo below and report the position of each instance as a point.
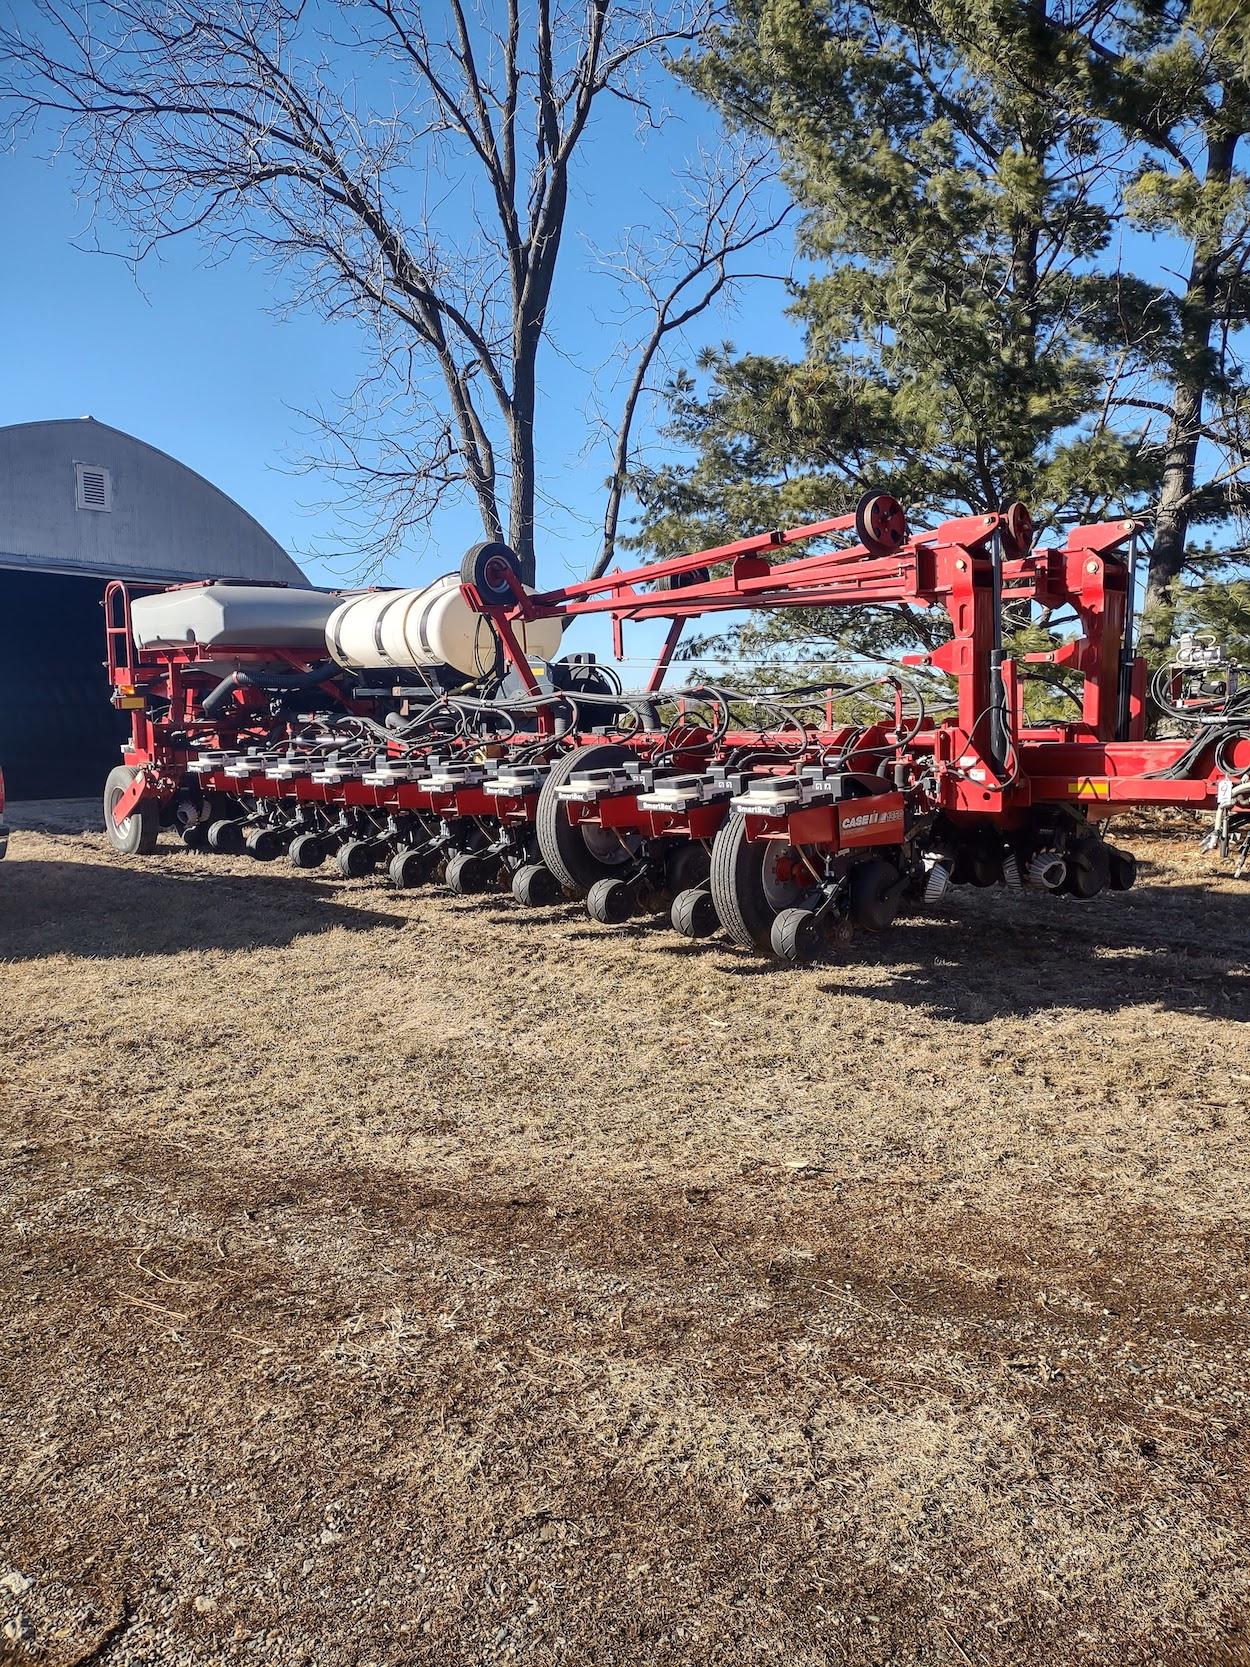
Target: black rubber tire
(1089, 869)
(686, 867)
(355, 858)
(880, 523)
(468, 873)
(265, 844)
(867, 887)
(484, 567)
(139, 833)
(535, 886)
(563, 845)
(226, 837)
(1017, 531)
(1123, 869)
(694, 913)
(795, 936)
(307, 851)
(195, 838)
(411, 867)
(738, 885)
(682, 581)
(609, 902)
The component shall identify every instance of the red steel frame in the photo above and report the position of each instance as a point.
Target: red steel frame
(967, 566)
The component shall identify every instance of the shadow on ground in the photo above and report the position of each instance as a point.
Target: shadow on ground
(986, 957)
(155, 906)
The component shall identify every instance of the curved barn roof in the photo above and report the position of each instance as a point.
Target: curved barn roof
(77, 496)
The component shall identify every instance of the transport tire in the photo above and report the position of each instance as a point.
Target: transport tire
(576, 855)
(138, 834)
(749, 888)
(694, 913)
(795, 936)
(1017, 533)
(880, 523)
(486, 568)
(609, 902)
(682, 581)
(535, 886)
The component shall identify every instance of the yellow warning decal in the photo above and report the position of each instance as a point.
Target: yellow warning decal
(1087, 789)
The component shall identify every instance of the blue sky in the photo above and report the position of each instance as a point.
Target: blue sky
(192, 357)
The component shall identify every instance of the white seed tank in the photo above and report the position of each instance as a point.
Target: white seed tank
(432, 626)
(234, 616)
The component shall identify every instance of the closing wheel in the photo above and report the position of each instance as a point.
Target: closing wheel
(686, 867)
(468, 872)
(226, 837)
(578, 854)
(694, 913)
(409, 867)
(265, 843)
(195, 837)
(307, 851)
(1123, 867)
(795, 936)
(880, 523)
(535, 885)
(137, 835)
(487, 568)
(355, 859)
(753, 881)
(1089, 869)
(874, 894)
(609, 902)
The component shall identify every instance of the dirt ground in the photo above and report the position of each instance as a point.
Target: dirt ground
(392, 1278)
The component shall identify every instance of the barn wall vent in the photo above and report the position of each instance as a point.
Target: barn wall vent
(95, 488)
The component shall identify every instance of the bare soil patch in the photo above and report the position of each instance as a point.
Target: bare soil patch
(395, 1278)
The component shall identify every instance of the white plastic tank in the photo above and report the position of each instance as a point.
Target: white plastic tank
(432, 626)
(235, 616)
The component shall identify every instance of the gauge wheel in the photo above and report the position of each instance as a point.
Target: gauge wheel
(307, 850)
(795, 936)
(753, 881)
(576, 853)
(138, 834)
(535, 885)
(355, 858)
(694, 913)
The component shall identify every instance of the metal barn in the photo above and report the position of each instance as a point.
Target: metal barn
(81, 503)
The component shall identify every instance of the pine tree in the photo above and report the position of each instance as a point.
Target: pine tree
(970, 332)
(1176, 82)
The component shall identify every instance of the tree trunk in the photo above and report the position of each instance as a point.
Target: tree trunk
(1180, 456)
(521, 435)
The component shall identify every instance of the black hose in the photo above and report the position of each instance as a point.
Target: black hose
(277, 682)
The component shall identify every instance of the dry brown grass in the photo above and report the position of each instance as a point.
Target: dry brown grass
(395, 1278)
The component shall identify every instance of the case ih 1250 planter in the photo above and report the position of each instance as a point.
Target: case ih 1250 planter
(437, 735)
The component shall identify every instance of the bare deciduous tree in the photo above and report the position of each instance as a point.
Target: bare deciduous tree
(408, 173)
